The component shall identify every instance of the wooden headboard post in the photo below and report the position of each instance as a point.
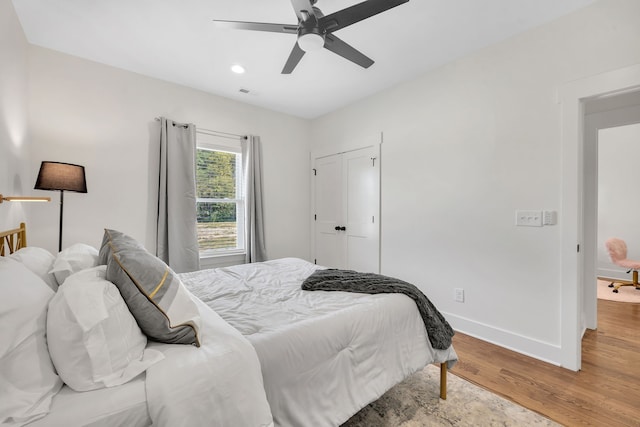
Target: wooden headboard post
(12, 240)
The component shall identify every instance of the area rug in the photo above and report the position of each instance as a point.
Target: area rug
(625, 293)
(415, 402)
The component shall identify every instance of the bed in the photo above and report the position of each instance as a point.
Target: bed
(322, 355)
(217, 383)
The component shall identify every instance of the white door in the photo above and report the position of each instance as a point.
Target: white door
(328, 211)
(346, 209)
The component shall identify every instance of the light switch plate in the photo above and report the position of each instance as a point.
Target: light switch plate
(549, 217)
(529, 218)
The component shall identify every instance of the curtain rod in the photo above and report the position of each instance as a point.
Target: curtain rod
(220, 134)
(212, 132)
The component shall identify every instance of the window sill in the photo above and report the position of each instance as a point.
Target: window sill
(217, 260)
(221, 253)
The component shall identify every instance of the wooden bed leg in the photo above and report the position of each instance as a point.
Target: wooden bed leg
(443, 381)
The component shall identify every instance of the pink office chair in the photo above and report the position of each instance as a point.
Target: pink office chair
(618, 253)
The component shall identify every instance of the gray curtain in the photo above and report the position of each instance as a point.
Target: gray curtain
(177, 235)
(254, 219)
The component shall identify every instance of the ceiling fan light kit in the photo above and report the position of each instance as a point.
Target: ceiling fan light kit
(310, 42)
(315, 30)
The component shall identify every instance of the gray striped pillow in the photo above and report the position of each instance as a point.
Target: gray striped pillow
(156, 297)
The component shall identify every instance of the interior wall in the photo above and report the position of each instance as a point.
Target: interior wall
(467, 145)
(103, 118)
(14, 137)
(618, 154)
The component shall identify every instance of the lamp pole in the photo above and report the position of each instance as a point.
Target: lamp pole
(60, 232)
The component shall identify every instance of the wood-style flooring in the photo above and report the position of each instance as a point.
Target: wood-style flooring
(606, 392)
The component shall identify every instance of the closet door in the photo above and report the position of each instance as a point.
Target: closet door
(328, 212)
(347, 207)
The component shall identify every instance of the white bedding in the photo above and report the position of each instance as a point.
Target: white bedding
(324, 355)
(125, 405)
(217, 384)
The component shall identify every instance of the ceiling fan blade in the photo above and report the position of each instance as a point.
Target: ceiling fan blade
(294, 57)
(304, 9)
(258, 26)
(356, 13)
(335, 45)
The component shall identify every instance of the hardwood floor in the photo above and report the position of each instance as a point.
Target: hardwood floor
(606, 392)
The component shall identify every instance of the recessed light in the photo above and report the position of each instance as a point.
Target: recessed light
(238, 69)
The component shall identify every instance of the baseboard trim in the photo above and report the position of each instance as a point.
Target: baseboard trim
(613, 274)
(537, 349)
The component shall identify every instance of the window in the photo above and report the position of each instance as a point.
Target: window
(219, 197)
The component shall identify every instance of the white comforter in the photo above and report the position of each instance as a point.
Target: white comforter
(218, 384)
(324, 355)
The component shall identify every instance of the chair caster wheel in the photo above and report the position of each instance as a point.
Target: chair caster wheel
(611, 285)
(615, 291)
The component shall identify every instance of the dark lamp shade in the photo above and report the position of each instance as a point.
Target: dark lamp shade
(61, 176)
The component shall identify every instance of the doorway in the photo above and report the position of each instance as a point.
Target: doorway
(574, 235)
(609, 123)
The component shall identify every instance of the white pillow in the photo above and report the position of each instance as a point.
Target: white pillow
(28, 380)
(75, 258)
(94, 341)
(38, 260)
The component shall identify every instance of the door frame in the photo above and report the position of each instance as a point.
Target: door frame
(572, 96)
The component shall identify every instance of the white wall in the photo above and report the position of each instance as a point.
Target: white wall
(14, 138)
(103, 118)
(618, 204)
(464, 147)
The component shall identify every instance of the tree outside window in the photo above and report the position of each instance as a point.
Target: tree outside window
(220, 203)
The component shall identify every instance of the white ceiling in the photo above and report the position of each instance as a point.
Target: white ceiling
(176, 41)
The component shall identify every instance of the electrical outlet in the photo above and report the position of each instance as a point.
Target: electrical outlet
(458, 294)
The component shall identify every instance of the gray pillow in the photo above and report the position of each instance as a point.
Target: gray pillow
(116, 236)
(156, 297)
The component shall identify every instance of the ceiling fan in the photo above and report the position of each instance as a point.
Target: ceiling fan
(315, 30)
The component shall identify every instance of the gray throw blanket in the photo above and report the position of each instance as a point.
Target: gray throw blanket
(438, 329)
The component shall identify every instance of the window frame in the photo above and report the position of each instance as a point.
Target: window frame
(235, 148)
